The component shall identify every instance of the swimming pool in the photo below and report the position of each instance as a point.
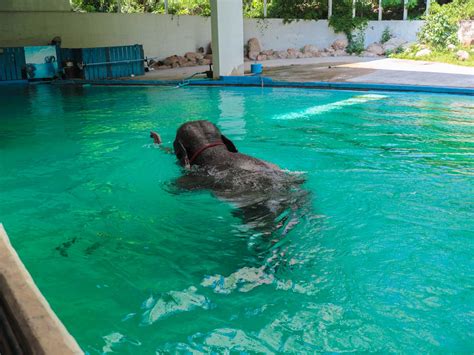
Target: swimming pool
(381, 258)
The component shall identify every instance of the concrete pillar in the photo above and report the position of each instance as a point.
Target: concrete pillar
(227, 29)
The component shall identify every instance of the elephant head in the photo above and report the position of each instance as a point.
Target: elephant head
(194, 137)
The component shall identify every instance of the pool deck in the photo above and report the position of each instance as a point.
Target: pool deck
(347, 69)
(27, 323)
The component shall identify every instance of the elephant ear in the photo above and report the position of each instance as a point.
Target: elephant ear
(229, 144)
(181, 154)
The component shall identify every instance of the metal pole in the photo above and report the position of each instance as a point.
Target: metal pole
(166, 7)
(427, 7)
(380, 10)
(264, 8)
(405, 10)
(353, 8)
(329, 9)
(119, 6)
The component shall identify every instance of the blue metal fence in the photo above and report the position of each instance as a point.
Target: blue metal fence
(113, 62)
(12, 61)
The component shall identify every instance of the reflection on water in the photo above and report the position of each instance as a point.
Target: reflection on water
(372, 253)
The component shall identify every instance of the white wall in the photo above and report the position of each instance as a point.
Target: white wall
(165, 35)
(35, 5)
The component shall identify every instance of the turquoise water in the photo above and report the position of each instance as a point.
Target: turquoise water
(381, 258)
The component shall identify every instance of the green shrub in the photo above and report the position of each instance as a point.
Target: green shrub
(386, 35)
(442, 24)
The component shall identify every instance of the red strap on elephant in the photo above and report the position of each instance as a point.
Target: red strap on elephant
(202, 149)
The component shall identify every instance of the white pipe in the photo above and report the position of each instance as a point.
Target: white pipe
(405, 10)
(380, 10)
(264, 8)
(329, 9)
(166, 6)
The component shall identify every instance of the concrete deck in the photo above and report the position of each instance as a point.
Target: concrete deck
(347, 69)
(27, 323)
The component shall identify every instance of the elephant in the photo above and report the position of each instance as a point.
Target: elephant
(260, 190)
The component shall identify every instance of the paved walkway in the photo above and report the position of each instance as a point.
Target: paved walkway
(347, 69)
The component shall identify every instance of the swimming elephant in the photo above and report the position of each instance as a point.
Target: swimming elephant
(261, 190)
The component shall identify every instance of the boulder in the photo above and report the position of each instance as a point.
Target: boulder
(282, 54)
(392, 44)
(268, 52)
(368, 54)
(183, 62)
(193, 56)
(340, 44)
(375, 48)
(451, 47)
(261, 57)
(310, 49)
(340, 53)
(293, 52)
(162, 66)
(204, 61)
(462, 55)
(208, 56)
(422, 53)
(254, 48)
(170, 61)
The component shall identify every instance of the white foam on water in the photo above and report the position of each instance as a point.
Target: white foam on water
(174, 302)
(320, 109)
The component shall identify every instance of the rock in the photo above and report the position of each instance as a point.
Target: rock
(268, 52)
(204, 61)
(254, 48)
(193, 56)
(393, 44)
(208, 56)
(422, 53)
(310, 49)
(451, 47)
(282, 54)
(162, 66)
(292, 52)
(323, 54)
(183, 62)
(299, 54)
(340, 53)
(375, 48)
(368, 54)
(339, 44)
(209, 48)
(307, 55)
(261, 57)
(462, 55)
(171, 60)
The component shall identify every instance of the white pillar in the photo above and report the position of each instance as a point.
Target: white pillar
(380, 10)
(405, 10)
(227, 28)
(166, 6)
(353, 8)
(427, 7)
(329, 9)
(264, 8)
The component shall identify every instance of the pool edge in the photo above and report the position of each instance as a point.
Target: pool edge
(261, 81)
(34, 327)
